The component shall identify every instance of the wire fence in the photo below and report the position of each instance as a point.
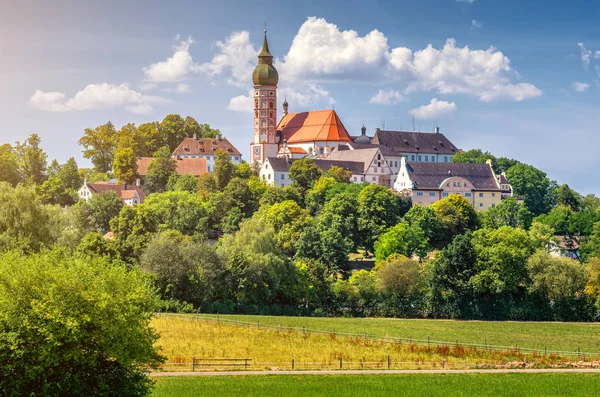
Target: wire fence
(581, 355)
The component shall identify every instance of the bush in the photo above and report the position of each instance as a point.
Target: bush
(74, 327)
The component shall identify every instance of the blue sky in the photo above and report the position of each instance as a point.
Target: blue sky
(513, 79)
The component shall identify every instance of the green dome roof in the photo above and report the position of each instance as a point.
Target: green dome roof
(265, 74)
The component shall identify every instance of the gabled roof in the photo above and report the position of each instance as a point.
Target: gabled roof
(200, 146)
(364, 156)
(431, 175)
(386, 151)
(185, 165)
(414, 142)
(283, 165)
(121, 190)
(128, 194)
(318, 125)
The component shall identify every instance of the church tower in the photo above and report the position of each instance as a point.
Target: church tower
(265, 79)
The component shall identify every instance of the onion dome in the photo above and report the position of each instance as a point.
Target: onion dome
(265, 73)
(363, 138)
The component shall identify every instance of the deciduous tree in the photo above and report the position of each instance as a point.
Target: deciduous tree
(99, 145)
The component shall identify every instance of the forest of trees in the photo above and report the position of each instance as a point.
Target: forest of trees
(285, 250)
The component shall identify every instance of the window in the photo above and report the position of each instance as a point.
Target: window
(412, 158)
(354, 179)
(209, 168)
(467, 194)
(431, 194)
(493, 205)
(375, 169)
(493, 194)
(419, 194)
(362, 178)
(426, 158)
(480, 194)
(395, 164)
(445, 159)
(269, 177)
(418, 158)
(379, 163)
(282, 176)
(237, 158)
(266, 166)
(444, 194)
(481, 204)
(403, 174)
(378, 156)
(433, 159)
(374, 179)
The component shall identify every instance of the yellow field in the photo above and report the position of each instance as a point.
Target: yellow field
(184, 338)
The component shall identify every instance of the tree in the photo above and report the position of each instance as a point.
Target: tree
(207, 132)
(533, 185)
(9, 169)
(149, 139)
(224, 169)
(32, 160)
(398, 276)
(53, 191)
(25, 223)
(173, 130)
(426, 219)
(244, 171)
(304, 173)
(568, 197)
(160, 170)
(103, 208)
(178, 210)
(206, 185)
(338, 174)
(69, 175)
(95, 245)
(53, 169)
(99, 145)
(315, 196)
(456, 216)
(125, 165)
(288, 220)
(132, 230)
(74, 326)
(378, 209)
(473, 156)
(508, 213)
(184, 183)
(404, 239)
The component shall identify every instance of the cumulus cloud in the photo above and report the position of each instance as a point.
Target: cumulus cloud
(176, 68)
(386, 97)
(96, 96)
(321, 51)
(585, 55)
(580, 87)
(181, 88)
(301, 96)
(466, 1)
(475, 24)
(434, 109)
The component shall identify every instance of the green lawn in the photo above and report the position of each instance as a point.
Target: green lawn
(556, 336)
(516, 384)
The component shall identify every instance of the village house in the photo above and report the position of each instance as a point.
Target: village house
(276, 170)
(129, 194)
(376, 169)
(206, 148)
(184, 165)
(426, 183)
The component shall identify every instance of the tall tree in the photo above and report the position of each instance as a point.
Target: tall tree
(150, 138)
(9, 169)
(456, 216)
(160, 170)
(69, 175)
(304, 173)
(99, 146)
(103, 208)
(533, 185)
(404, 239)
(32, 160)
(508, 213)
(224, 169)
(173, 130)
(125, 165)
(567, 196)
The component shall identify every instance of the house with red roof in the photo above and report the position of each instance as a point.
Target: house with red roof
(129, 194)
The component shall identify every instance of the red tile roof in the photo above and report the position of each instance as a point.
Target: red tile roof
(185, 165)
(191, 146)
(318, 125)
(121, 190)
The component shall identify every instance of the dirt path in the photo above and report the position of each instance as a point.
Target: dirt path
(374, 372)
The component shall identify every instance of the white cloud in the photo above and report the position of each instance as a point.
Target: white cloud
(597, 67)
(302, 96)
(174, 69)
(386, 97)
(597, 55)
(580, 87)
(241, 103)
(96, 96)
(466, 1)
(475, 24)
(434, 110)
(181, 88)
(585, 55)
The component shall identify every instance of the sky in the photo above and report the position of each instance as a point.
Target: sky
(516, 78)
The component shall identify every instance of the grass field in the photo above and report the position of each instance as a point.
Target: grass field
(482, 385)
(183, 338)
(536, 335)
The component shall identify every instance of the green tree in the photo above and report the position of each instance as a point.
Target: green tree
(173, 130)
(402, 286)
(533, 185)
(54, 191)
(315, 196)
(473, 156)
(132, 230)
(304, 173)
(103, 208)
(288, 220)
(338, 174)
(73, 326)
(99, 145)
(149, 139)
(69, 175)
(9, 168)
(456, 216)
(53, 169)
(160, 170)
(224, 169)
(32, 160)
(95, 245)
(185, 183)
(508, 213)
(244, 170)
(178, 210)
(125, 165)
(426, 219)
(207, 132)
(378, 209)
(568, 197)
(404, 239)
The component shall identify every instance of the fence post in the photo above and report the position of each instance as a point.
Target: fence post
(443, 362)
(258, 324)
(389, 362)
(245, 363)
(428, 342)
(365, 334)
(467, 362)
(193, 364)
(292, 362)
(545, 351)
(578, 352)
(303, 329)
(340, 363)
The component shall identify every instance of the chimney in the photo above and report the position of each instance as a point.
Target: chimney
(138, 183)
(195, 136)
(437, 130)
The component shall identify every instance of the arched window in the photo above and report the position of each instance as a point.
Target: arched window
(256, 104)
(321, 150)
(270, 104)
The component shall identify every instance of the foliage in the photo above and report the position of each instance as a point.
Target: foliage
(74, 326)
(533, 185)
(456, 216)
(31, 160)
(338, 174)
(9, 171)
(99, 145)
(173, 130)
(185, 183)
(224, 169)
(304, 173)
(568, 197)
(176, 210)
(53, 191)
(125, 165)
(288, 220)
(102, 208)
(508, 213)
(160, 169)
(404, 239)
(132, 229)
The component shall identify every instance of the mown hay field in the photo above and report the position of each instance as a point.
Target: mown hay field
(447, 385)
(535, 335)
(182, 339)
